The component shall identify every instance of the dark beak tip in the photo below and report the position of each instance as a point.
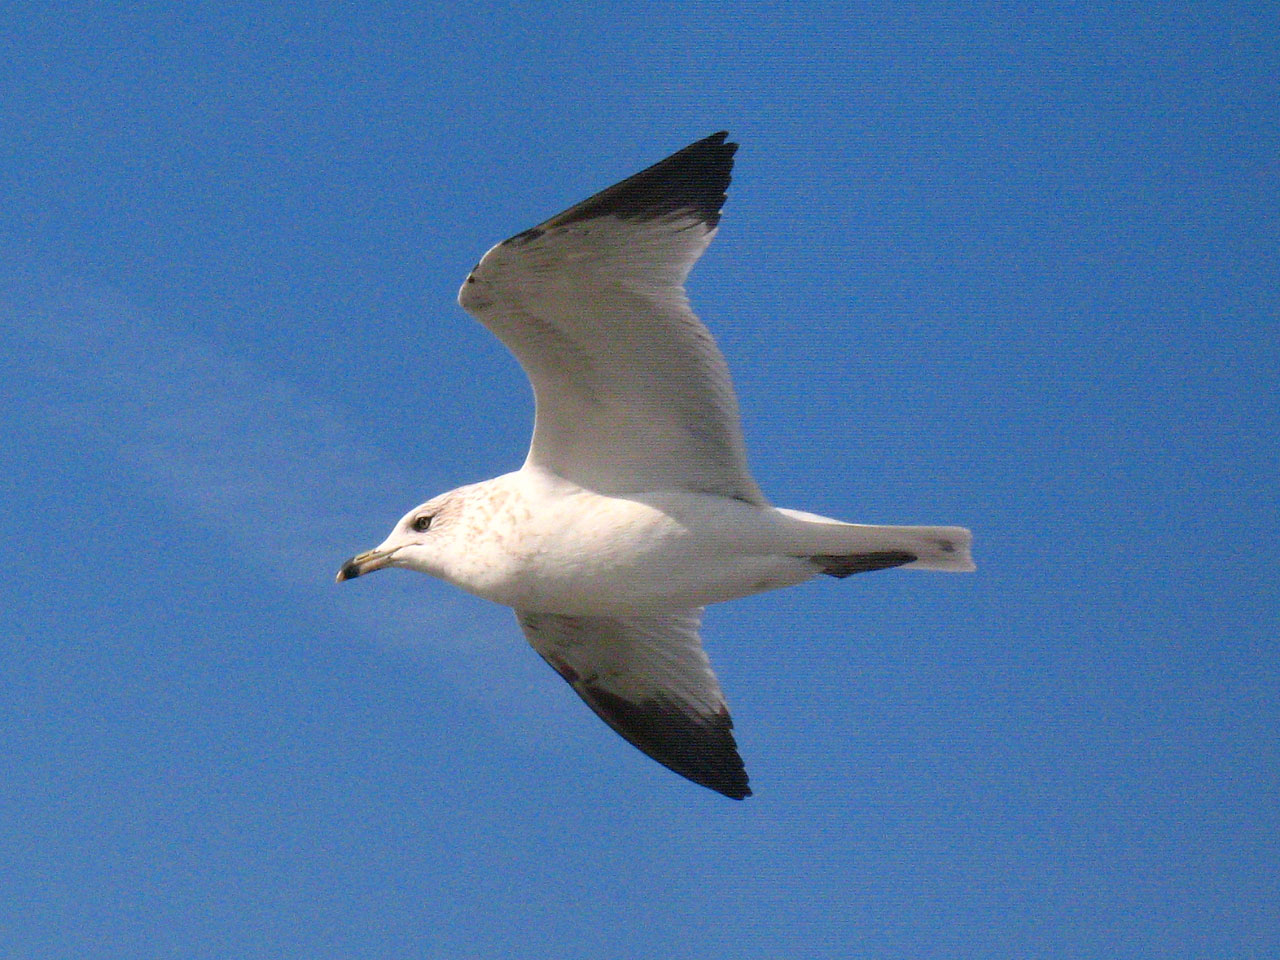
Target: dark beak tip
(349, 571)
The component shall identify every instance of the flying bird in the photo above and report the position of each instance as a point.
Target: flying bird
(634, 508)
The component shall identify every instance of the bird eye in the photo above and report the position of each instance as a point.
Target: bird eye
(422, 523)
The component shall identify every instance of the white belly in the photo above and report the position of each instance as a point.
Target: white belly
(587, 555)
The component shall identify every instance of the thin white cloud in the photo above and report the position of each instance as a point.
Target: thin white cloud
(244, 457)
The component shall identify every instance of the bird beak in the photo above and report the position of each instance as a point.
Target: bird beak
(366, 562)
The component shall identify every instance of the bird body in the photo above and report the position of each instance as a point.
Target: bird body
(533, 541)
(635, 507)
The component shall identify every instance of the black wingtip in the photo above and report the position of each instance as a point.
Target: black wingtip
(690, 181)
(847, 566)
(700, 748)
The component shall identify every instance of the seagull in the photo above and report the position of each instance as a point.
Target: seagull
(634, 508)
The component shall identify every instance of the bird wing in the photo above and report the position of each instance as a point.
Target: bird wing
(631, 392)
(649, 679)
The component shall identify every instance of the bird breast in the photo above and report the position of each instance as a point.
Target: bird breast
(577, 552)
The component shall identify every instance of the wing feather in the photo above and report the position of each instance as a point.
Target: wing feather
(650, 680)
(632, 392)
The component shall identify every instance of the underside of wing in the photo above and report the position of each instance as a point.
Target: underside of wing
(649, 679)
(632, 393)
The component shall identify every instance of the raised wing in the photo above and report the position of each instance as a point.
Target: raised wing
(632, 393)
(649, 679)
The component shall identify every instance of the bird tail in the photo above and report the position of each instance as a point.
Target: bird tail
(842, 549)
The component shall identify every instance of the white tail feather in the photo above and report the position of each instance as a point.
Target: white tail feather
(935, 548)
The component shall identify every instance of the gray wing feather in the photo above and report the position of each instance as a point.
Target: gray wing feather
(631, 390)
(650, 680)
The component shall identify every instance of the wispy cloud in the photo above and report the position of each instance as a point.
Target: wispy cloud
(244, 457)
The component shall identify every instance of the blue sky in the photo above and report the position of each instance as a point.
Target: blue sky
(981, 264)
